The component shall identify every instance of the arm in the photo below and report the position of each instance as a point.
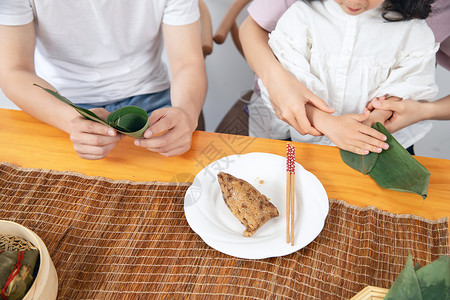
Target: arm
(287, 95)
(170, 131)
(91, 140)
(407, 112)
(347, 132)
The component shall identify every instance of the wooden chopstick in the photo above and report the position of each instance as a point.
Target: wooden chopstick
(290, 193)
(292, 202)
(288, 203)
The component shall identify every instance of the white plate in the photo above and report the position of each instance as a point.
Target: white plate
(211, 219)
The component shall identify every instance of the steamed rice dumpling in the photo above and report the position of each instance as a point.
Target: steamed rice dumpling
(17, 268)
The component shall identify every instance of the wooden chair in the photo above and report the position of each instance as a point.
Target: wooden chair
(235, 120)
(229, 25)
(205, 28)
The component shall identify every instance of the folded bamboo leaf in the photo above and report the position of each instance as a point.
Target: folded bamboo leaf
(434, 279)
(361, 163)
(129, 120)
(398, 170)
(406, 286)
(393, 168)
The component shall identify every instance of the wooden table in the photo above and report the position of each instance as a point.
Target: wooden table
(98, 228)
(27, 142)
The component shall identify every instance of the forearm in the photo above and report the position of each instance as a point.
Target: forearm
(18, 87)
(437, 110)
(187, 66)
(188, 90)
(260, 57)
(17, 76)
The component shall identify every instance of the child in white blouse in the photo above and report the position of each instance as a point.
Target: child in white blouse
(349, 52)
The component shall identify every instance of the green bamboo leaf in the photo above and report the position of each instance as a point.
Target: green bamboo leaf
(393, 168)
(406, 286)
(361, 163)
(82, 111)
(398, 170)
(8, 260)
(129, 120)
(434, 279)
(19, 286)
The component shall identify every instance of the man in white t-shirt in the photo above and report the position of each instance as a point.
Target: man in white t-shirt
(105, 54)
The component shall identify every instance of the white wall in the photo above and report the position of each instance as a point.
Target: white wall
(437, 142)
(229, 75)
(228, 72)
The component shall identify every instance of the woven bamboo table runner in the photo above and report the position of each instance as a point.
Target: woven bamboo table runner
(130, 240)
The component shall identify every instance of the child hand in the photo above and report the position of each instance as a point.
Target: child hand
(348, 133)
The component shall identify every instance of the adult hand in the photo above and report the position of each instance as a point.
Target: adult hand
(348, 133)
(288, 100)
(405, 112)
(169, 133)
(92, 140)
(288, 95)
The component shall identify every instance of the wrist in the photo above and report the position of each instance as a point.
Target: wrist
(429, 111)
(319, 119)
(192, 116)
(274, 75)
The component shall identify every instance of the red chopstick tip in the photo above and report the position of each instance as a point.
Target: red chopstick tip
(290, 157)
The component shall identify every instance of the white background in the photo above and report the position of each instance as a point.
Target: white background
(229, 76)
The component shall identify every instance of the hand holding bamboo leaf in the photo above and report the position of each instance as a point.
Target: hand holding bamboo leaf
(393, 168)
(129, 120)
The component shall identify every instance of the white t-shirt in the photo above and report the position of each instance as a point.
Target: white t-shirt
(98, 51)
(347, 60)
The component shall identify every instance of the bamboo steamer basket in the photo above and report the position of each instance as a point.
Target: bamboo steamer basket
(45, 285)
(371, 293)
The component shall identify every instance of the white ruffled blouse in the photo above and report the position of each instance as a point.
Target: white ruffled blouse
(348, 60)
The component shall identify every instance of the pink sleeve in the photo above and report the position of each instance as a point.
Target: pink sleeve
(267, 12)
(439, 22)
(443, 55)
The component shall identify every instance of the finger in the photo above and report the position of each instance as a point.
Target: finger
(307, 130)
(166, 142)
(356, 150)
(360, 117)
(100, 112)
(91, 127)
(315, 132)
(160, 122)
(93, 152)
(369, 144)
(373, 137)
(388, 105)
(319, 103)
(83, 138)
(370, 106)
(301, 121)
(176, 151)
